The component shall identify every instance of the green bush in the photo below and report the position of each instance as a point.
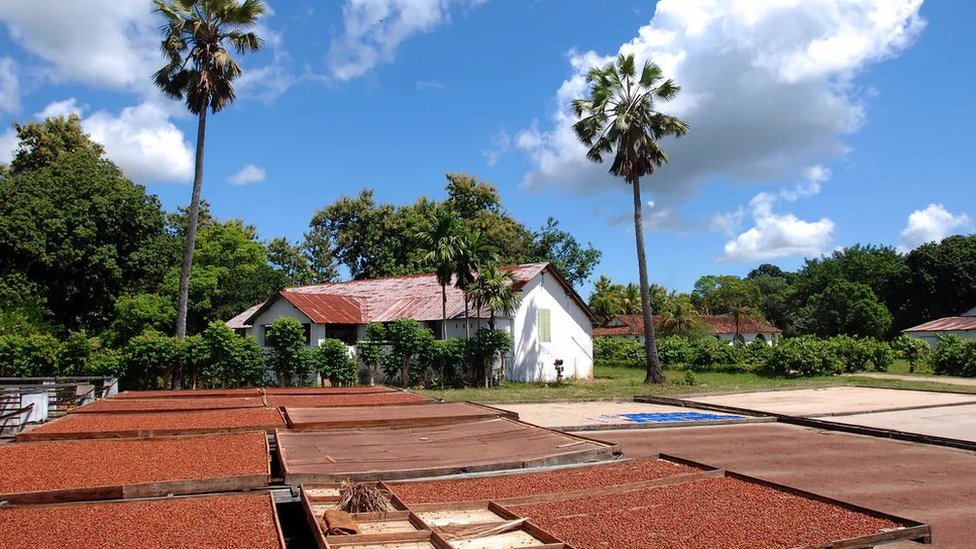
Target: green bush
(912, 349)
(450, 360)
(804, 356)
(151, 360)
(225, 359)
(75, 354)
(853, 354)
(673, 351)
(714, 355)
(882, 356)
(757, 351)
(288, 353)
(29, 356)
(955, 356)
(619, 352)
(486, 345)
(333, 362)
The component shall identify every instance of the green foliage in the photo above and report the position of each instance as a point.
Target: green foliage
(756, 351)
(609, 299)
(151, 360)
(574, 262)
(853, 354)
(709, 354)
(408, 340)
(916, 351)
(76, 234)
(941, 280)
(687, 380)
(448, 358)
(288, 353)
(955, 356)
(43, 143)
(294, 264)
(882, 355)
(801, 357)
(33, 355)
(618, 352)
(848, 308)
(75, 354)
(719, 295)
(673, 351)
(224, 359)
(485, 346)
(138, 313)
(333, 362)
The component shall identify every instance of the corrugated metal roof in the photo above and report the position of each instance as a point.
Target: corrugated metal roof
(241, 320)
(633, 325)
(947, 324)
(387, 299)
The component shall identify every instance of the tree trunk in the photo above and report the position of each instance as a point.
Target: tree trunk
(405, 372)
(443, 311)
(467, 325)
(191, 228)
(653, 366)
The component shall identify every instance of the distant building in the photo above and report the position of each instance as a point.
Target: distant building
(552, 323)
(963, 326)
(722, 326)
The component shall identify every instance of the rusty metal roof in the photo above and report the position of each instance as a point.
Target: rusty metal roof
(633, 325)
(387, 299)
(947, 324)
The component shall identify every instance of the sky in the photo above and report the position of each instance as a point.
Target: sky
(815, 124)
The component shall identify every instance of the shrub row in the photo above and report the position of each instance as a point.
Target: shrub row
(800, 356)
(955, 356)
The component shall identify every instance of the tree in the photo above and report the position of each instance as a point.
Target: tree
(486, 345)
(76, 234)
(408, 340)
(201, 71)
(288, 353)
(619, 118)
(574, 262)
(941, 280)
(333, 362)
(680, 318)
(475, 252)
(444, 243)
(138, 313)
(494, 290)
(847, 308)
(293, 263)
(40, 144)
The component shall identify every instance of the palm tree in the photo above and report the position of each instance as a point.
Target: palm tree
(445, 243)
(619, 118)
(681, 318)
(630, 300)
(739, 313)
(477, 251)
(201, 72)
(494, 289)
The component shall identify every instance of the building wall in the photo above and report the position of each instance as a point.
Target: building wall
(748, 337)
(930, 337)
(280, 308)
(571, 335)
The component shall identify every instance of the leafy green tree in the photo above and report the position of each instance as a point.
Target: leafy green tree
(487, 345)
(373, 351)
(846, 308)
(201, 71)
(445, 242)
(941, 280)
(152, 361)
(75, 354)
(31, 355)
(40, 144)
(408, 340)
(288, 353)
(333, 362)
(916, 351)
(137, 313)
(76, 234)
(574, 262)
(680, 318)
(721, 294)
(292, 262)
(475, 252)
(448, 357)
(225, 359)
(619, 118)
(954, 356)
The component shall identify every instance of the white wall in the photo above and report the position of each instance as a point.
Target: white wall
(281, 307)
(929, 337)
(571, 331)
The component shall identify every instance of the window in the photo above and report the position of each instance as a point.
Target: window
(545, 325)
(308, 333)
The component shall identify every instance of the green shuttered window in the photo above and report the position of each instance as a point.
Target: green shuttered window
(545, 326)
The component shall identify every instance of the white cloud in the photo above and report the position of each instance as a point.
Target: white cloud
(8, 142)
(60, 108)
(374, 29)
(9, 86)
(767, 89)
(774, 234)
(104, 43)
(501, 143)
(931, 225)
(427, 85)
(247, 175)
(144, 143)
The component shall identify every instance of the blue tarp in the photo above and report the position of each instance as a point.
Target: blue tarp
(667, 417)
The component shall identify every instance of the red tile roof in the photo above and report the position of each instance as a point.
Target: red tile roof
(947, 324)
(387, 299)
(633, 325)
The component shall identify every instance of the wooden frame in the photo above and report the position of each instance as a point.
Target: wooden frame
(392, 423)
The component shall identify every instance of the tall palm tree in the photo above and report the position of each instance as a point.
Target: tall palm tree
(494, 289)
(630, 300)
(619, 118)
(681, 318)
(739, 312)
(201, 71)
(445, 243)
(476, 252)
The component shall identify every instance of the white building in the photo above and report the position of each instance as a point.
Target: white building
(552, 322)
(721, 326)
(963, 326)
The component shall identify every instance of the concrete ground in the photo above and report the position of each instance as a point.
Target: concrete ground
(598, 415)
(834, 400)
(965, 381)
(931, 484)
(945, 421)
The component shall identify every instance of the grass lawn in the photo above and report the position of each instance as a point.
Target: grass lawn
(625, 383)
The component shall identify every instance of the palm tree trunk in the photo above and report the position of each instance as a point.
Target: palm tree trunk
(654, 372)
(467, 325)
(443, 311)
(191, 228)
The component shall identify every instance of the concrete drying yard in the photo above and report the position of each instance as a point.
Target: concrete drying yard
(597, 415)
(956, 422)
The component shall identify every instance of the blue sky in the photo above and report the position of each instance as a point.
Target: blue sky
(815, 123)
